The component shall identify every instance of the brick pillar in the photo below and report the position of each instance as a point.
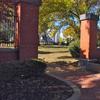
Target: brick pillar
(17, 22)
(27, 12)
(88, 35)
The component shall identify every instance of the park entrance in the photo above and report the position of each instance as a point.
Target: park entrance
(19, 31)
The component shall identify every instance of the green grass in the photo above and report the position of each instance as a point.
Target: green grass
(51, 54)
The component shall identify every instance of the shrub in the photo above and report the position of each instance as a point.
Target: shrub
(23, 69)
(98, 43)
(35, 67)
(74, 49)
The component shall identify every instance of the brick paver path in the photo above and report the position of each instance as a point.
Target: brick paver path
(89, 83)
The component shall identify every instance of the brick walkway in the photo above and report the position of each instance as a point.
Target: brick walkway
(89, 83)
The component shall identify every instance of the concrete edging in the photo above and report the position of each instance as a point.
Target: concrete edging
(77, 93)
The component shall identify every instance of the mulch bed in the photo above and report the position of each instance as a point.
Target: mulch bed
(31, 88)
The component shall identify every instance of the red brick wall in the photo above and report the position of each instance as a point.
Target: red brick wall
(7, 54)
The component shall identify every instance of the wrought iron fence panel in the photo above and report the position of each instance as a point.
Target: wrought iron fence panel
(7, 25)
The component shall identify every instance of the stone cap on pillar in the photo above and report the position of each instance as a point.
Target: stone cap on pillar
(35, 2)
(89, 16)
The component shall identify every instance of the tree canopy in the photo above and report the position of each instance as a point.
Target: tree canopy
(64, 13)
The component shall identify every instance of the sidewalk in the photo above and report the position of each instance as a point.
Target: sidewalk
(89, 83)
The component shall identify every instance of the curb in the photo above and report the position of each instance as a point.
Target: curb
(77, 93)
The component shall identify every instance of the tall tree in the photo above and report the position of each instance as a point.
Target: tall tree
(66, 12)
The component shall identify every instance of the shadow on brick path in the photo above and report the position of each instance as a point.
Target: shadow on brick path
(89, 83)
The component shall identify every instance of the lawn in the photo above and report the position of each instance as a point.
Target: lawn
(58, 59)
(55, 54)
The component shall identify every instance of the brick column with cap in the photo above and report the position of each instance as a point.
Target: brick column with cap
(88, 37)
(27, 12)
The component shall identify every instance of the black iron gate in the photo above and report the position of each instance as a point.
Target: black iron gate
(7, 25)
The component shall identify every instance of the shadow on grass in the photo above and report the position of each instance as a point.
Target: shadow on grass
(54, 46)
(57, 64)
(44, 52)
(47, 52)
(63, 65)
(64, 57)
(62, 51)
